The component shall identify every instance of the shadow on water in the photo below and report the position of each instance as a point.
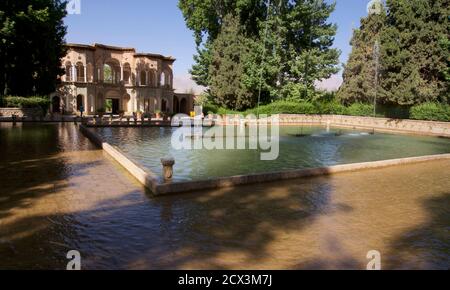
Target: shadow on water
(221, 229)
(32, 163)
(33, 166)
(193, 230)
(427, 245)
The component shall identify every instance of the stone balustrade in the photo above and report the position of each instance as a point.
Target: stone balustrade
(19, 112)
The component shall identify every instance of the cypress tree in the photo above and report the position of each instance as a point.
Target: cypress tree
(414, 54)
(359, 72)
(229, 53)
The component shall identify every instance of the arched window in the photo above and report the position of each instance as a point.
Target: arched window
(143, 75)
(68, 71)
(151, 78)
(163, 79)
(90, 72)
(80, 72)
(166, 79)
(108, 74)
(126, 73)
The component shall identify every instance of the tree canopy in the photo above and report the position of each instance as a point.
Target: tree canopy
(414, 57)
(284, 48)
(31, 46)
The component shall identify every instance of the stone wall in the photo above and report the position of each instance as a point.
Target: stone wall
(379, 124)
(27, 112)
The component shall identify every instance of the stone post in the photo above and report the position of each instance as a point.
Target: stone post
(168, 164)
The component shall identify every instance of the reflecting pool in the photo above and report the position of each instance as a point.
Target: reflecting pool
(59, 193)
(299, 147)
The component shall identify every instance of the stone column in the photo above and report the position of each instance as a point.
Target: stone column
(85, 74)
(74, 73)
(121, 73)
(167, 164)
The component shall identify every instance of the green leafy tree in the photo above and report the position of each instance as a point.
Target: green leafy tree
(288, 44)
(206, 17)
(309, 56)
(359, 72)
(413, 58)
(31, 46)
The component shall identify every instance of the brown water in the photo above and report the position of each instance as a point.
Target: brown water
(59, 193)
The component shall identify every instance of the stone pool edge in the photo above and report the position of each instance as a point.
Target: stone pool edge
(150, 180)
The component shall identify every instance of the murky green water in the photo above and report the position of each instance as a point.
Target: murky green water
(318, 148)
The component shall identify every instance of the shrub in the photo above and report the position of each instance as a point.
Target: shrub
(427, 111)
(431, 112)
(210, 109)
(224, 111)
(359, 109)
(330, 108)
(393, 111)
(284, 107)
(30, 102)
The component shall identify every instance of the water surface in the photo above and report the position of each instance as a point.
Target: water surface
(59, 193)
(317, 148)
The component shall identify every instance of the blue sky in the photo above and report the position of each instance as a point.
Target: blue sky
(158, 26)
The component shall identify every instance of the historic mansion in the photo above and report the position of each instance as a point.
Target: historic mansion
(97, 75)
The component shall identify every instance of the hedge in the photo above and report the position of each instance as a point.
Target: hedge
(427, 111)
(431, 112)
(30, 102)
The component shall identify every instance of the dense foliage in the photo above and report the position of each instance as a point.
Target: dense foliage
(360, 69)
(427, 111)
(30, 102)
(414, 55)
(246, 45)
(431, 112)
(31, 46)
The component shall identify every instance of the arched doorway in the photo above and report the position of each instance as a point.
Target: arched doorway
(80, 103)
(163, 105)
(176, 105)
(56, 104)
(183, 106)
(112, 102)
(91, 104)
(153, 104)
